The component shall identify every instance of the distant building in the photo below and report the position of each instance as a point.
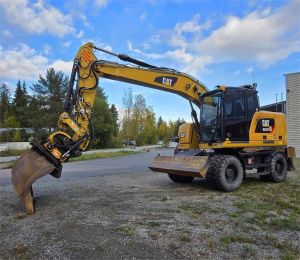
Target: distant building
(275, 107)
(292, 82)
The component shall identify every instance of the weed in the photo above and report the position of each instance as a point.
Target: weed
(154, 236)
(153, 224)
(165, 198)
(99, 248)
(185, 238)
(128, 231)
(248, 251)
(288, 255)
(173, 247)
(21, 216)
(21, 249)
(232, 239)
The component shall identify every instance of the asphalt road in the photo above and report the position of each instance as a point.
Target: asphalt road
(99, 167)
(4, 159)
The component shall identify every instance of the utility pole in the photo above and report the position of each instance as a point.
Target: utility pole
(282, 109)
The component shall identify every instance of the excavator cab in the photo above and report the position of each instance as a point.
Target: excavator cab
(230, 114)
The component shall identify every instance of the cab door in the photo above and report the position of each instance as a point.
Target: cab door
(236, 123)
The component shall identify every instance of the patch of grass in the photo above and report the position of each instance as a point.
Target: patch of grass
(288, 255)
(125, 230)
(21, 216)
(153, 224)
(173, 247)
(288, 223)
(248, 251)
(99, 248)
(274, 206)
(21, 249)
(194, 211)
(297, 164)
(154, 236)
(12, 152)
(185, 238)
(165, 198)
(226, 240)
(100, 155)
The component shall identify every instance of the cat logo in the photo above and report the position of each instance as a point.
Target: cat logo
(166, 80)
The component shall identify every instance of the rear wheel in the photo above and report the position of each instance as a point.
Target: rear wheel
(180, 178)
(225, 173)
(278, 169)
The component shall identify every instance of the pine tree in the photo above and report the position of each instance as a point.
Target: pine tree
(159, 121)
(178, 123)
(115, 116)
(20, 104)
(4, 103)
(50, 92)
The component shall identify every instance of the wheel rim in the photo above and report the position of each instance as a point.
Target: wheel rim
(231, 174)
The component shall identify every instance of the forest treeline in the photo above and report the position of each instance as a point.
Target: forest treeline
(34, 110)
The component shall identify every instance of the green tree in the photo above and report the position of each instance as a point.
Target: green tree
(163, 131)
(159, 121)
(20, 104)
(127, 128)
(102, 120)
(13, 134)
(115, 116)
(4, 103)
(50, 92)
(178, 123)
(150, 127)
(34, 114)
(139, 121)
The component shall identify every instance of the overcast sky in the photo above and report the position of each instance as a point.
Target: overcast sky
(219, 42)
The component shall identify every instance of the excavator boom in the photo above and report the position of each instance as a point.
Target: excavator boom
(47, 157)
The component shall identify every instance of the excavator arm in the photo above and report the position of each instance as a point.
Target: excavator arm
(73, 135)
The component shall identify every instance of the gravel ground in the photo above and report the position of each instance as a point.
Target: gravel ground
(146, 216)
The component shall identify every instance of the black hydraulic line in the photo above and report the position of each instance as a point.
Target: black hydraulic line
(67, 102)
(125, 57)
(194, 116)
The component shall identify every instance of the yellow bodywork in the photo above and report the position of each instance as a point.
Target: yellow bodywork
(91, 71)
(188, 137)
(276, 138)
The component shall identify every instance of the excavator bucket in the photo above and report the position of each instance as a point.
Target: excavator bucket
(28, 168)
(195, 166)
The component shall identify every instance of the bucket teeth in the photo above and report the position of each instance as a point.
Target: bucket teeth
(28, 168)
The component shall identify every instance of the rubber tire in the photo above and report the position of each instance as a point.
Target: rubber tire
(274, 174)
(216, 174)
(180, 178)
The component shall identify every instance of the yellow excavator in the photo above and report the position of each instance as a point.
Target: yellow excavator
(229, 137)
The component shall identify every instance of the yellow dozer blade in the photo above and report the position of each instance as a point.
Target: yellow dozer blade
(195, 166)
(28, 168)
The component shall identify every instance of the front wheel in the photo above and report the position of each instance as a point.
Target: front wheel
(225, 173)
